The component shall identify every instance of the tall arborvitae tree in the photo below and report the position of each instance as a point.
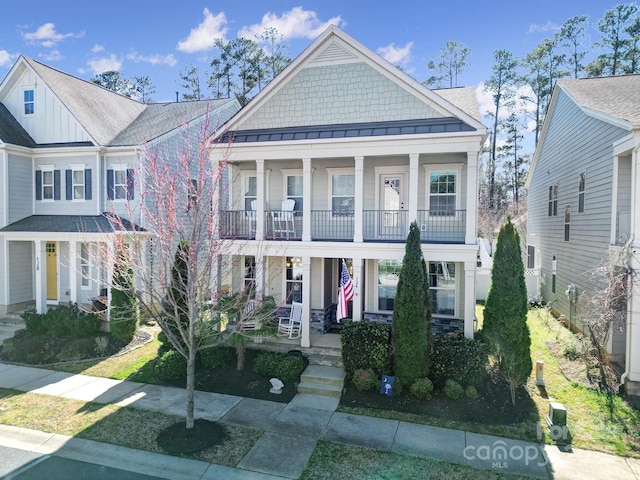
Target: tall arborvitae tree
(505, 311)
(411, 327)
(123, 317)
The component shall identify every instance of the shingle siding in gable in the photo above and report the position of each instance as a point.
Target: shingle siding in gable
(337, 94)
(574, 143)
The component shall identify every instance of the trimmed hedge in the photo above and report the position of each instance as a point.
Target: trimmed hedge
(286, 368)
(124, 330)
(364, 380)
(63, 321)
(215, 357)
(366, 346)
(422, 388)
(461, 359)
(171, 366)
(453, 389)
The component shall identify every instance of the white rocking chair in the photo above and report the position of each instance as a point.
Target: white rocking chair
(248, 319)
(291, 326)
(282, 221)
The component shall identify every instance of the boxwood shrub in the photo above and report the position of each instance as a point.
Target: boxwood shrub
(458, 358)
(63, 321)
(286, 368)
(366, 346)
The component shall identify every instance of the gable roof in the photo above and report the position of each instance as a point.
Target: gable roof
(617, 97)
(464, 98)
(335, 47)
(615, 100)
(102, 113)
(109, 118)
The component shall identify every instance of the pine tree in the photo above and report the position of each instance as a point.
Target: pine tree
(505, 311)
(411, 325)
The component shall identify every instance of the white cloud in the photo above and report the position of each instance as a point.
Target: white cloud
(6, 58)
(296, 23)
(97, 48)
(204, 35)
(51, 56)
(152, 59)
(104, 64)
(47, 36)
(396, 55)
(547, 27)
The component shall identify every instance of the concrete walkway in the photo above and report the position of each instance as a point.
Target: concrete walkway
(300, 423)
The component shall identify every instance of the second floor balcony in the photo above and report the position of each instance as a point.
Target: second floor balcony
(448, 226)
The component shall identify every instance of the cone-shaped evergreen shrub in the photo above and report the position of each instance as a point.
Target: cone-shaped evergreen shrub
(411, 326)
(505, 311)
(124, 304)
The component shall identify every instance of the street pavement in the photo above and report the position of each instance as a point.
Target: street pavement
(291, 432)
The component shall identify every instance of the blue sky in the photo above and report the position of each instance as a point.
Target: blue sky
(159, 38)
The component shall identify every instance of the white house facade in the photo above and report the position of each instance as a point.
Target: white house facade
(70, 153)
(331, 162)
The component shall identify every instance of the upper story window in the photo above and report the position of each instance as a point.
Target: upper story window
(250, 191)
(531, 256)
(47, 183)
(582, 186)
(553, 200)
(120, 183)
(443, 189)
(78, 183)
(343, 191)
(567, 222)
(294, 191)
(29, 102)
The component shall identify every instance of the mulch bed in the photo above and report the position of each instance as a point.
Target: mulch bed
(245, 383)
(493, 406)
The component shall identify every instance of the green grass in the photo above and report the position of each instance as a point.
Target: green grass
(334, 460)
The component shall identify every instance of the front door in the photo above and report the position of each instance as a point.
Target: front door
(52, 271)
(392, 219)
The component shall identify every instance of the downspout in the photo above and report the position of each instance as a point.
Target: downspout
(634, 159)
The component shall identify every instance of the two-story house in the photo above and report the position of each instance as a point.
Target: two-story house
(332, 161)
(583, 200)
(70, 152)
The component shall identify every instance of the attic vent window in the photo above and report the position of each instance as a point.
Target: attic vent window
(29, 102)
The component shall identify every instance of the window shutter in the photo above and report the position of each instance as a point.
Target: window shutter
(38, 184)
(130, 184)
(110, 192)
(87, 184)
(68, 183)
(56, 184)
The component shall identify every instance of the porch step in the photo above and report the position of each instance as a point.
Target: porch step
(322, 380)
(325, 360)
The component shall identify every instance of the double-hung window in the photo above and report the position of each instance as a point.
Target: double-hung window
(442, 286)
(294, 191)
(342, 192)
(120, 183)
(443, 189)
(47, 183)
(582, 186)
(567, 222)
(250, 191)
(553, 200)
(29, 101)
(78, 183)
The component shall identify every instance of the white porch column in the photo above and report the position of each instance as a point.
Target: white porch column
(359, 201)
(307, 185)
(358, 290)
(471, 232)
(614, 200)
(73, 272)
(260, 200)
(413, 188)
(469, 298)
(41, 276)
(305, 340)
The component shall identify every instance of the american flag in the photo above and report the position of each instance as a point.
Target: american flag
(344, 294)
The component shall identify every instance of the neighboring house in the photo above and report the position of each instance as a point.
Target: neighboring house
(583, 199)
(69, 154)
(333, 160)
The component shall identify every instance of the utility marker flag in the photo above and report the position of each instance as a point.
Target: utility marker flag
(345, 293)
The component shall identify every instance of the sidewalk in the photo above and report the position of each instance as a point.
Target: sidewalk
(302, 422)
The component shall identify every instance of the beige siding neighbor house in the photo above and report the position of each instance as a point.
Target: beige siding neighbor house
(332, 161)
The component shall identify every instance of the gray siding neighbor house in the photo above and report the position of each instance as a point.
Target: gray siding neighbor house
(583, 199)
(69, 152)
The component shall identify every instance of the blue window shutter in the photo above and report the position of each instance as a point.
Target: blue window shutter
(38, 184)
(68, 184)
(110, 193)
(130, 184)
(56, 184)
(87, 184)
